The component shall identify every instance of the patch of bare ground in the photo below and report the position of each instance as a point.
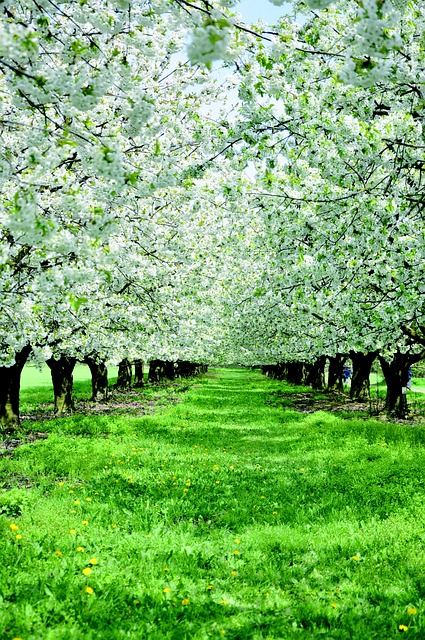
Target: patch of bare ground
(8, 445)
(337, 402)
(310, 401)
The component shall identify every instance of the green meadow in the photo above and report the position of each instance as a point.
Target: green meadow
(222, 514)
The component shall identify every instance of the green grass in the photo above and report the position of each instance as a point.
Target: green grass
(220, 516)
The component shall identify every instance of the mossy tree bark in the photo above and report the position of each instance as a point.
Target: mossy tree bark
(360, 384)
(124, 374)
(315, 373)
(99, 378)
(156, 373)
(61, 371)
(10, 383)
(396, 377)
(335, 375)
(138, 374)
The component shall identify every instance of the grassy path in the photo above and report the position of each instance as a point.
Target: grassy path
(220, 516)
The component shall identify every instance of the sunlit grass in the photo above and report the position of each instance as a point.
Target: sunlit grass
(220, 516)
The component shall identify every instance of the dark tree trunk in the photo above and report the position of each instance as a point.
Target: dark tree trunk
(295, 372)
(316, 374)
(360, 384)
(138, 374)
(335, 375)
(155, 374)
(124, 374)
(169, 371)
(277, 371)
(61, 371)
(396, 377)
(99, 379)
(10, 382)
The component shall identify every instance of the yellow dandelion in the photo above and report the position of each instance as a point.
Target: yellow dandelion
(18, 536)
(275, 513)
(215, 467)
(302, 469)
(61, 484)
(89, 590)
(16, 638)
(234, 573)
(85, 521)
(88, 499)
(262, 497)
(80, 548)
(167, 590)
(165, 569)
(185, 601)
(73, 511)
(14, 527)
(354, 557)
(217, 481)
(412, 611)
(231, 467)
(223, 602)
(114, 526)
(77, 502)
(236, 541)
(210, 586)
(72, 532)
(334, 605)
(58, 553)
(94, 561)
(236, 552)
(86, 571)
(402, 627)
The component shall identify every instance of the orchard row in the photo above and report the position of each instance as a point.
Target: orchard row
(157, 205)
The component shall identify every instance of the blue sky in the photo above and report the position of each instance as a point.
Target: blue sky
(252, 10)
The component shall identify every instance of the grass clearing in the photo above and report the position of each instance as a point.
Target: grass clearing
(219, 516)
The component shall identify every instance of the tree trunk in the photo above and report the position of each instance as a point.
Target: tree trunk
(169, 371)
(295, 372)
(396, 377)
(10, 382)
(138, 374)
(277, 371)
(99, 379)
(335, 375)
(316, 374)
(124, 374)
(154, 374)
(360, 384)
(61, 371)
